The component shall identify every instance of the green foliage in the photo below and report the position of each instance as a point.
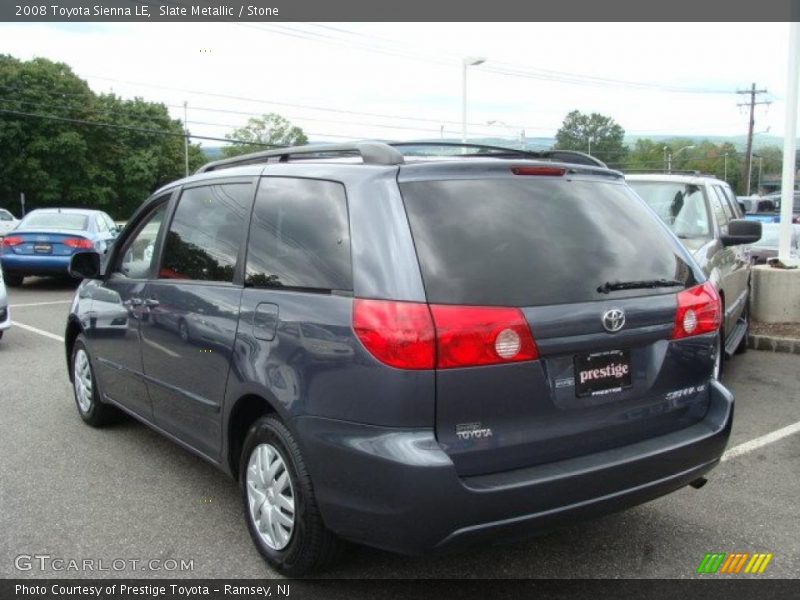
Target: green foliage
(605, 134)
(687, 155)
(59, 163)
(264, 132)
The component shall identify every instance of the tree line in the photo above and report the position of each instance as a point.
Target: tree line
(62, 144)
(603, 138)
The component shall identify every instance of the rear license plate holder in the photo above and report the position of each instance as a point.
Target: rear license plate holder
(599, 373)
(43, 248)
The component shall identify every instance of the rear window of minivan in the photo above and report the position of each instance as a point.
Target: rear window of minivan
(533, 242)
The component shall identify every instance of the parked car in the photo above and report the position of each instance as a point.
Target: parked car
(5, 312)
(45, 240)
(767, 246)
(703, 212)
(410, 354)
(7, 222)
(767, 209)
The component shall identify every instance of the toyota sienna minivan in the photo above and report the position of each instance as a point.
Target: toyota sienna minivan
(408, 352)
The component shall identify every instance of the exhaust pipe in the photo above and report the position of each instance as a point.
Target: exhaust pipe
(698, 483)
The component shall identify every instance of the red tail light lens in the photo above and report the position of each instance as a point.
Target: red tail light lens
(81, 243)
(12, 241)
(699, 311)
(540, 171)
(467, 336)
(399, 334)
(410, 335)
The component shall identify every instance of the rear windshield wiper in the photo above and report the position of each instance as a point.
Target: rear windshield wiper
(610, 286)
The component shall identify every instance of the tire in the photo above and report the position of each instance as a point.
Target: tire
(308, 545)
(1, 335)
(13, 280)
(91, 409)
(742, 347)
(183, 331)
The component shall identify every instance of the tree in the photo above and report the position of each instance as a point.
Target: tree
(58, 155)
(605, 134)
(687, 155)
(263, 133)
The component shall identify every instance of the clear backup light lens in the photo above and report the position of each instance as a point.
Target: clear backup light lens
(507, 344)
(689, 321)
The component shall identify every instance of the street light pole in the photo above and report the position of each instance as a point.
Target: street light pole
(665, 160)
(725, 177)
(669, 158)
(468, 61)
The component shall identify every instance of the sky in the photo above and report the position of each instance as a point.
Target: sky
(404, 80)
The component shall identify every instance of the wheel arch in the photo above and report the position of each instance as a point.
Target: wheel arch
(74, 329)
(245, 411)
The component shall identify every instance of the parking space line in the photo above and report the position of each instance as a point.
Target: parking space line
(39, 304)
(769, 438)
(52, 336)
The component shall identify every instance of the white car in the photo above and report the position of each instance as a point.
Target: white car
(7, 222)
(5, 313)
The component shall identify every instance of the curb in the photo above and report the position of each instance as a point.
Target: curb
(773, 344)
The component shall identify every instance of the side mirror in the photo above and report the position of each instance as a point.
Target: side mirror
(742, 231)
(85, 265)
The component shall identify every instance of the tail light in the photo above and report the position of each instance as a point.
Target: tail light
(417, 336)
(399, 334)
(468, 336)
(81, 243)
(699, 311)
(12, 240)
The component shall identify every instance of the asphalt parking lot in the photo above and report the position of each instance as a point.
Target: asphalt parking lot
(73, 492)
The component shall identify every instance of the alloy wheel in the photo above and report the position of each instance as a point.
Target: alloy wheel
(270, 496)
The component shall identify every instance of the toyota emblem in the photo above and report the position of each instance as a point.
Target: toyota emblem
(614, 319)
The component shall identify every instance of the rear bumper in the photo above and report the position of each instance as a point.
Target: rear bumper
(396, 489)
(21, 264)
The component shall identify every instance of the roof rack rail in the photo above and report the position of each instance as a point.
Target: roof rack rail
(672, 172)
(568, 156)
(372, 153)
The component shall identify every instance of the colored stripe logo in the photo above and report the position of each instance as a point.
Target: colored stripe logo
(734, 563)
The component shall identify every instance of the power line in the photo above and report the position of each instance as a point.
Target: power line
(131, 128)
(499, 67)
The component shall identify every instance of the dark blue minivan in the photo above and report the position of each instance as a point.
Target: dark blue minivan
(408, 352)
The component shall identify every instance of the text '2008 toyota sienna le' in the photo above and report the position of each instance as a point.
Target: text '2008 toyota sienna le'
(407, 352)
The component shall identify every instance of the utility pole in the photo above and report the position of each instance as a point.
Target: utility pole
(748, 160)
(22, 203)
(186, 136)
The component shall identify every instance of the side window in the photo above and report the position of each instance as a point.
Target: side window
(206, 233)
(728, 193)
(5, 216)
(726, 205)
(718, 209)
(136, 258)
(300, 235)
(102, 226)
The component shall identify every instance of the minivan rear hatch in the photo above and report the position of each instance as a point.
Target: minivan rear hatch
(593, 273)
